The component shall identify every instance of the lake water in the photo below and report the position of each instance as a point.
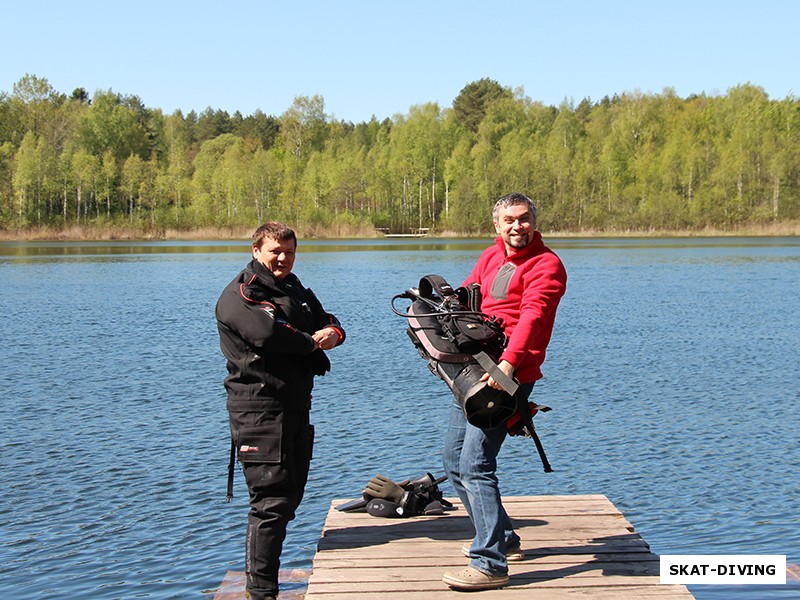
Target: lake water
(673, 377)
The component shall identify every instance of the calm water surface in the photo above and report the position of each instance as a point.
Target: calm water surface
(672, 373)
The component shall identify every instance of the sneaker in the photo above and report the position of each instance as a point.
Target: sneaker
(472, 579)
(513, 554)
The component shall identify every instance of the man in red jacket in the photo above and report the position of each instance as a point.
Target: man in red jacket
(522, 282)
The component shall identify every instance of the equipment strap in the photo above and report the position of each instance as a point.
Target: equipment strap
(231, 465)
(529, 430)
(511, 386)
(435, 283)
(508, 384)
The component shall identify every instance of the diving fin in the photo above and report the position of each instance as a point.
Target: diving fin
(357, 505)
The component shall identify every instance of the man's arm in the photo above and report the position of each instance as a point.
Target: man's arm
(330, 332)
(260, 326)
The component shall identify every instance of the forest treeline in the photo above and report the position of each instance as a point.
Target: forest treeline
(632, 162)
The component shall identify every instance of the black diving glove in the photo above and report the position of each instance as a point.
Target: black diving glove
(381, 487)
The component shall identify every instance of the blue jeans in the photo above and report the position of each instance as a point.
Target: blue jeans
(470, 463)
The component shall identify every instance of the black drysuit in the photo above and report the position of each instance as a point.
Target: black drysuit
(265, 328)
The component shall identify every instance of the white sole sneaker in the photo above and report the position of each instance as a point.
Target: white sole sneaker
(472, 580)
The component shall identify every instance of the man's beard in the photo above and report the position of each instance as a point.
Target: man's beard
(519, 242)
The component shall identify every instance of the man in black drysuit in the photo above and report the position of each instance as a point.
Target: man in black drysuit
(273, 332)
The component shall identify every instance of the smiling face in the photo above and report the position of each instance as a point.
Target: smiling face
(276, 255)
(515, 224)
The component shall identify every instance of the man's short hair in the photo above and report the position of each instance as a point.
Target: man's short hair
(512, 199)
(273, 230)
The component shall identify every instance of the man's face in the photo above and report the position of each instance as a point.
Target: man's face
(277, 256)
(515, 224)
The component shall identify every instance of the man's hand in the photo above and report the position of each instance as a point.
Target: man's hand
(325, 338)
(506, 368)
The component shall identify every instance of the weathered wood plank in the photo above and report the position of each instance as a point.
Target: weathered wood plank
(390, 584)
(575, 547)
(293, 585)
(670, 592)
(529, 573)
(456, 560)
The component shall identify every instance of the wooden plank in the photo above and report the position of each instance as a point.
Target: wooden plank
(293, 585)
(529, 573)
(541, 588)
(456, 560)
(575, 547)
(665, 592)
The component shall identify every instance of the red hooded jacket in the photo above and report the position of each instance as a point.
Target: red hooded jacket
(524, 290)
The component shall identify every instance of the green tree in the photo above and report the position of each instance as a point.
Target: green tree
(7, 152)
(109, 175)
(209, 182)
(85, 169)
(34, 101)
(133, 178)
(110, 125)
(303, 126)
(264, 183)
(464, 209)
(473, 100)
(79, 94)
(25, 176)
(415, 151)
(259, 126)
(33, 176)
(211, 124)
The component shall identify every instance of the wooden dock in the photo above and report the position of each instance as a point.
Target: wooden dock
(575, 547)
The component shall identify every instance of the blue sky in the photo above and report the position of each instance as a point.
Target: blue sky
(377, 58)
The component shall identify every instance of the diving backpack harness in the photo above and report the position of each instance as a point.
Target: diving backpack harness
(461, 344)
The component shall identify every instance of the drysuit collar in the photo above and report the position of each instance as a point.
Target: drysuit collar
(266, 277)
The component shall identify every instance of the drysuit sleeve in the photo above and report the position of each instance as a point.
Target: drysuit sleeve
(261, 326)
(323, 318)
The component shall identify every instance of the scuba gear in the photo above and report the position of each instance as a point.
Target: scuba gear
(515, 424)
(521, 423)
(383, 487)
(357, 505)
(380, 507)
(461, 344)
(384, 498)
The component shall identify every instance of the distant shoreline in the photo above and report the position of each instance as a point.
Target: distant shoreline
(90, 234)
